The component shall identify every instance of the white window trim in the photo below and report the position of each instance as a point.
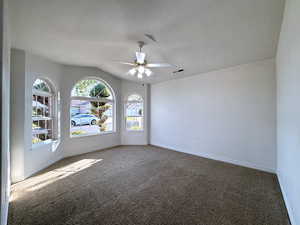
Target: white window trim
(41, 118)
(43, 143)
(42, 93)
(92, 99)
(91, 135)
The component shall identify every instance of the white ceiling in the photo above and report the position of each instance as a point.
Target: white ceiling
(199, 35)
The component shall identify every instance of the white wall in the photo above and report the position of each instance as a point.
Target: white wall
(5, 80)
(134, 137)
(228, 115)
(288, 106)
(25, 158)
(79, 145)
(37, 158)
(17, 122)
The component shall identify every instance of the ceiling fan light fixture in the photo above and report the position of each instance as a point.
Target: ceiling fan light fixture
(132, 72)
(140, 66)
(141, 69)
(140, 76)
(148, 72)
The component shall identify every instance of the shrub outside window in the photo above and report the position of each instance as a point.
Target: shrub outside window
(92, 108)
(42, 112)
(134, 113)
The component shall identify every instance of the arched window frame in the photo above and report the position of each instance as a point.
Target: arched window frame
(128, 101)
(112, 101)
(43, 123)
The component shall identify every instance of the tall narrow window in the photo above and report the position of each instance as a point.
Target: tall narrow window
(134, 113)
(42, 112)
(92, 108)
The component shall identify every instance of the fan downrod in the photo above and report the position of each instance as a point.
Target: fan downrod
(141, 45)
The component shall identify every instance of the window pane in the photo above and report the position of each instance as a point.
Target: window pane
(84, 118)
(89, 117)
(35, 127)
(39, 106)
(35, 139)
(134, 116)
(134, 109)
(42, 125)
(135, 98)
(34, 103)
(41, 85)
(41, 130)
(47, 106)
(39, 127)
(107, 118)
(91, 88)
(49, 128)
(134, 123)
(42, 137)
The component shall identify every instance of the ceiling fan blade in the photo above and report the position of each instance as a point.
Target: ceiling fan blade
(158, 65)
(151, 37)
(140, 57)
(127, 63)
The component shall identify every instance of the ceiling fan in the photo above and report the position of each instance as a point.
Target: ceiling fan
(140, 65)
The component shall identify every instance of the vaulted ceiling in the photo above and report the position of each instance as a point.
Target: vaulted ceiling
(198, 35)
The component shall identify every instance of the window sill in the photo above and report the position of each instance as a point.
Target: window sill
(92, 135)
(44, 143)
(138, 131)
(51, 144)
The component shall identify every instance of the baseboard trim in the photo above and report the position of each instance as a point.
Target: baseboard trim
(285, 198)
(223, 159)
(93, 149)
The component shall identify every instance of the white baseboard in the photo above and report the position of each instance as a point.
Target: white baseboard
(287, 204)
(92, 149)
(133, 144)
(224, 159)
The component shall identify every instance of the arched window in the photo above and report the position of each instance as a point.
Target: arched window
(42, 112)
(92, 108)
(134, 113)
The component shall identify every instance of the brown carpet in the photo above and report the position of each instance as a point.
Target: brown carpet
(133, 185)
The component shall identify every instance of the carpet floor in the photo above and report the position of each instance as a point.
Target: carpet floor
(135, 185)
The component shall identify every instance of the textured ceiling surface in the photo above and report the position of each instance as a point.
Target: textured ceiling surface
(198, 35)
